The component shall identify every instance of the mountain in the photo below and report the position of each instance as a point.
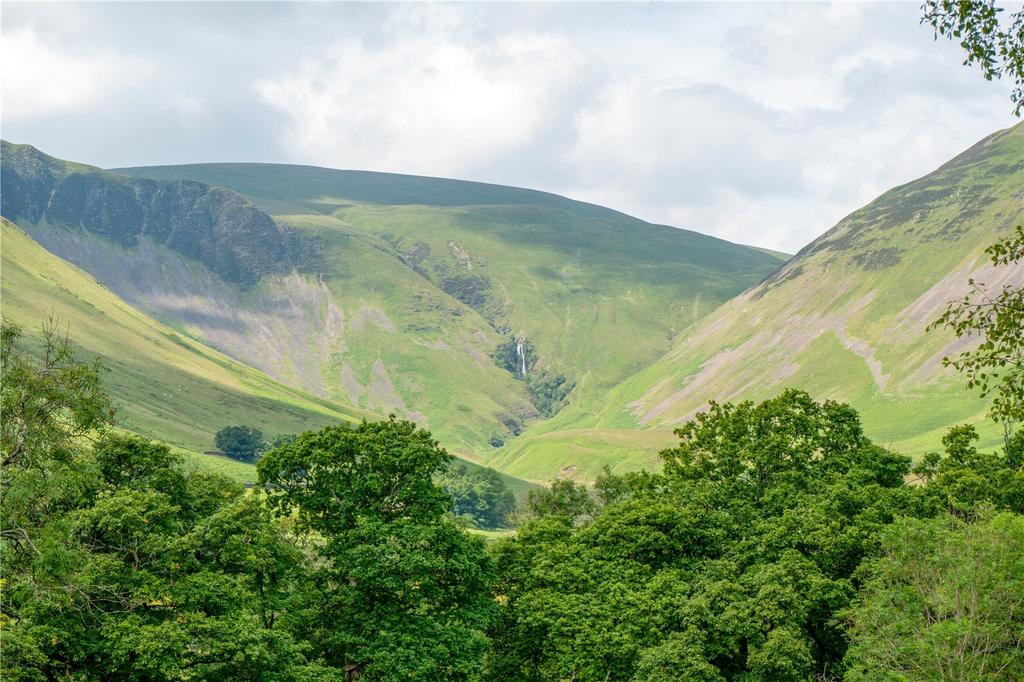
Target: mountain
(845, 318)
(166, 385)
(474, 309)
(587, 292)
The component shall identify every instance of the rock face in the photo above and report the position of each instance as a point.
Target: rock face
(214, 226)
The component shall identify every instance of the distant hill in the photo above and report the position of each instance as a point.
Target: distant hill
(845, 318)
(166, 385)
(475, 309)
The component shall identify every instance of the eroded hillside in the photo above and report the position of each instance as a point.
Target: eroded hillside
(846, 317)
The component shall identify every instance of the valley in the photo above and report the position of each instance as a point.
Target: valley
(532, 333)
(166, 385)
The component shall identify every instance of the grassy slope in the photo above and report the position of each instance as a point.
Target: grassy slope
(434, 349)
(600, 294)
(166, 385)
(846, 317)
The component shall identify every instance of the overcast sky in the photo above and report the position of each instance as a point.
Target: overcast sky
(760, 123)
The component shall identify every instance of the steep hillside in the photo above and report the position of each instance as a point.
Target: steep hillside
(166, 385)
(219, 229)
(474, 309)
(587, 292)
(845, 318)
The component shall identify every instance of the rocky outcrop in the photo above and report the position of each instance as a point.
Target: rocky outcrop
(217, 227)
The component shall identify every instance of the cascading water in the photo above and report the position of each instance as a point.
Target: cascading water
(522, 358)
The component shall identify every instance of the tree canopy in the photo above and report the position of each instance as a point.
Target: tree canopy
(943, 602)
(240, 442)
(739, 561)
(996, 46)
(118, 563)
(479, 495)
(403, 592)
(778, 543)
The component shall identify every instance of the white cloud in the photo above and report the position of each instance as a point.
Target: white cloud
(424, 102)
(762, 123)
(39, 79)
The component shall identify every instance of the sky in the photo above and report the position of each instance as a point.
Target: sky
(760, 123)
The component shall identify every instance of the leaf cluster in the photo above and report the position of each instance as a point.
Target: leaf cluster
(402, 592)
(996, 47)
(732, 564)
(479, 495)
(995, 320)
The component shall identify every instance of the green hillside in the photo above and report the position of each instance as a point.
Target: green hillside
(166, 385)
(845, 318)
(411, 295)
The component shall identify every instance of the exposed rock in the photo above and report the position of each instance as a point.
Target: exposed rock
(214, 226)
(384, 397)
(373, 315)
(289, 326)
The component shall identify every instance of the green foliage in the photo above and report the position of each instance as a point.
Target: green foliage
(517, 356)
(677, 658)
(245, 443)
(609, 488)
(943, 602)
(996, 366)
(478, 494)
(49, 407)
(564, 498)
(770, 548)
(282, 439)
(965, 481)
(997, 47)
(740, 554)
(548, 392)
(472, 290)
(49, 403)
(118, 564)
(403, 591)
(378, 470)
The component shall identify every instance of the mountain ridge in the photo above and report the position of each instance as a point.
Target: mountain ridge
(408, 308)
(413, 190)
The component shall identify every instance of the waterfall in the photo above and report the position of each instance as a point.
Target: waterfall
(522, 358)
